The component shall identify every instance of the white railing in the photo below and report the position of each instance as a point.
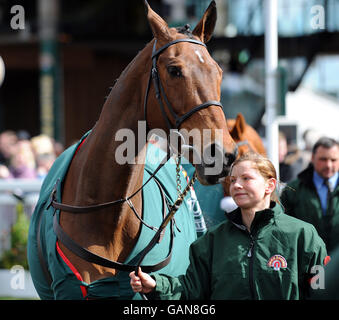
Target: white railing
(16, 282)
(28, 188)
(11, 191)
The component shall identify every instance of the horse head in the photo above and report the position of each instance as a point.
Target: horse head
(186, 85)
(246, 138)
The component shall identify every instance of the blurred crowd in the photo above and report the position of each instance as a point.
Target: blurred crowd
(26, 157)
(292, 159)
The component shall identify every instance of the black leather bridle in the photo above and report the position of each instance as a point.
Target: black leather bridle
(159, 89)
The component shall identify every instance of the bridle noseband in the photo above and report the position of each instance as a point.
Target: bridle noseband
(159, 90)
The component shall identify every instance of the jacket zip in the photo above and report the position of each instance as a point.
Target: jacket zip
(250, 256)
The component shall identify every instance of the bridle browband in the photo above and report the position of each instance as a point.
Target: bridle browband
(91, 257)
(159, 90)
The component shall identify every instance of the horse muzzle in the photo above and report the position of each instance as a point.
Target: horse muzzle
(212, 166)
(215, 164)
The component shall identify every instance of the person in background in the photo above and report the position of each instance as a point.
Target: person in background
(8, 140)
(257, 253)
(24, 157)
(290, 161)
(314, 195)
(310, 137)
(22, 165)
(44, 152)
(4, 172)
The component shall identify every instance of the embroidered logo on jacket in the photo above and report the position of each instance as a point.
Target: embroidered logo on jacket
(277, 262)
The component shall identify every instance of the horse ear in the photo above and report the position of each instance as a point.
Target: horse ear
(205, 26)
(158, 25)
(240, 122)
(238, 128)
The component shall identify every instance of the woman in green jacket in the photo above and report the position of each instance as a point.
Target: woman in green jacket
(257, 253)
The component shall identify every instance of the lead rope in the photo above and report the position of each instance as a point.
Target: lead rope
(173, 209)
(178, 180)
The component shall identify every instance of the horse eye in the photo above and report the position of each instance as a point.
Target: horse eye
(174, 71)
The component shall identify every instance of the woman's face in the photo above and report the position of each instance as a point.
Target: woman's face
(248, 188)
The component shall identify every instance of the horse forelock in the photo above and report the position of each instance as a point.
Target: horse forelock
(185, 30)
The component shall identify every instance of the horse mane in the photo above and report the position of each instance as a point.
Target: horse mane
(186, 30)
(124, 71)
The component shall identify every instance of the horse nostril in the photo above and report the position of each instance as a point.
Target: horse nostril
(216, 162)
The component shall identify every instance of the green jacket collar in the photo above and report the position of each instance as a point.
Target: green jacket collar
(261, 218)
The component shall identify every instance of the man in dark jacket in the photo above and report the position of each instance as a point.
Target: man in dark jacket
(314, 195)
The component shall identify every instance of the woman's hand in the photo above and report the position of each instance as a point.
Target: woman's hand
(143, 282)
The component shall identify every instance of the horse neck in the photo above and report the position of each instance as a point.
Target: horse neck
(96, 177)
(100, 178)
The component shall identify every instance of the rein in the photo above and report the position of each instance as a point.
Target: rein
(88, 209)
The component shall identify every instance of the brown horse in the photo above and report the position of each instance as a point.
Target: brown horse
(245, 136)
(190, 77)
